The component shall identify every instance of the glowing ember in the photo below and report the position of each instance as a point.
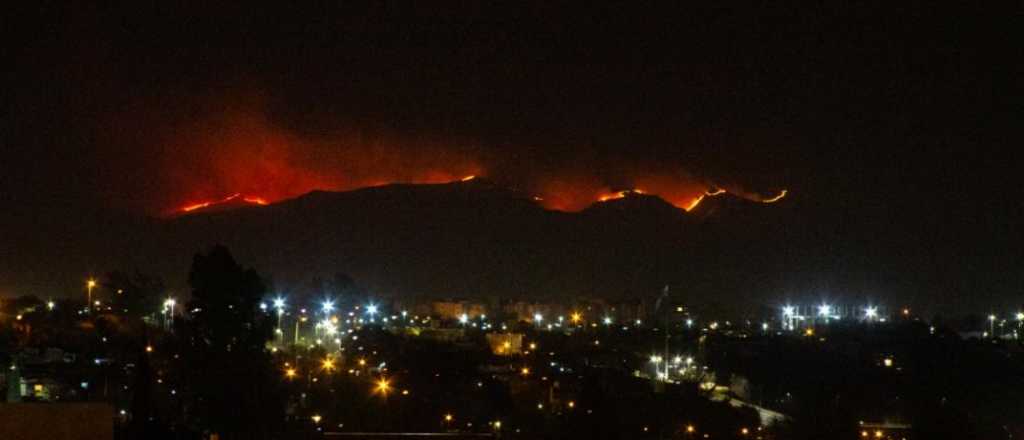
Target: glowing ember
(693, 204)
(696, 200)
(236, 196)
(776, 198)
(619, 195)
(256, 200)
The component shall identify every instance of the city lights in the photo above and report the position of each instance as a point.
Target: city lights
(383, 386)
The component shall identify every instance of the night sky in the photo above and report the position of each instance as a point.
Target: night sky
(896, 130)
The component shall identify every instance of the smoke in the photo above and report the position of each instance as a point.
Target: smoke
(213, 148)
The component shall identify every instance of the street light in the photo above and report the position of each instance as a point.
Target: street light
(788, 313)
(383, 386)
(169, 311)
(169, 303)
(538, 318)
(463, 319)
(576, 317)
(992, 325)
(825, 310)
(88, 287)
(327, 307)
(871, 313)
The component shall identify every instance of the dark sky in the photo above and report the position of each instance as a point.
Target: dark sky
(895, 128)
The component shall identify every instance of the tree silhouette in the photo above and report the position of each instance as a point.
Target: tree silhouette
(229, 370)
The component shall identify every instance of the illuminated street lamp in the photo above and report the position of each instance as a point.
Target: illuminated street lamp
(50, 305)
(169, 304)
(169, 311)
(871, 313)
(538, 318)
(279, 305)
(383, 386)
(788, 314)
(327, 307)
(88, 287)
(463, 319)
(607, 320)
(825, 311)
(992, 325)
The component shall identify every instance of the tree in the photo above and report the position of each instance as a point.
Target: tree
(229, 370)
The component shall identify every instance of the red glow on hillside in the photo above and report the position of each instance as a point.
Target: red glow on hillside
(619, 195)
(234, 197)
(241, 151)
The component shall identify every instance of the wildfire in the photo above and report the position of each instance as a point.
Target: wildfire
(776, 198)
(693, 204)
(619, 195)
(696, 200)
(256, 200)
(236, 196)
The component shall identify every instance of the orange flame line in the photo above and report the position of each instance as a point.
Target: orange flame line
(620, 194)
(254, 200)
(693, 204)
(776, 198)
